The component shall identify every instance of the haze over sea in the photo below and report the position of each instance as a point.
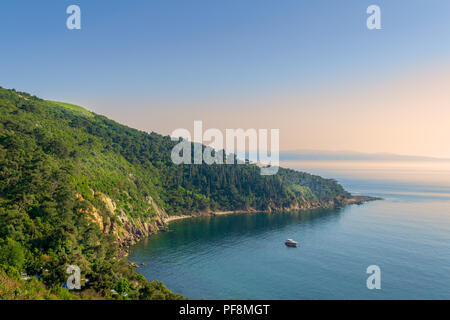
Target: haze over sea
(244, 257)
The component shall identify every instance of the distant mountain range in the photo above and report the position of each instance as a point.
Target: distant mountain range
(318, 155)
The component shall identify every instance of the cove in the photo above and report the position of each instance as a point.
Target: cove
(243, 256)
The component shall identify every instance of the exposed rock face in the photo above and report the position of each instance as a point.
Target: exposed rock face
(110, 205)
(128, 230)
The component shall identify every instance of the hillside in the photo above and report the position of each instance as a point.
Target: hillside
(78, 188)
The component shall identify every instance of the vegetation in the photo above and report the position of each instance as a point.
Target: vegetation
(75, 185)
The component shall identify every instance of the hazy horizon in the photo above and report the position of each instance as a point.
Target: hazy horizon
(311, 69)
(328, 152)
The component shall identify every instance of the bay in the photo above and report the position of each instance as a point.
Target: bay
(243, 256)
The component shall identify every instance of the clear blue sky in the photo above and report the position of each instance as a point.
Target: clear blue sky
(167, 51)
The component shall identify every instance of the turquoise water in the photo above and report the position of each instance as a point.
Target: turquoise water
(243, 256)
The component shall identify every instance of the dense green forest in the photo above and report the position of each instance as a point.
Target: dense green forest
(77, 188)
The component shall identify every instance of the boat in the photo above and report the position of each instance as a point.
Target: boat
(290, 243)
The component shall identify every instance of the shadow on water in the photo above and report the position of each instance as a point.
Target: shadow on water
(213, 256)
(218, 229)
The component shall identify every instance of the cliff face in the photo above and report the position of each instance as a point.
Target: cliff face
(127, 230)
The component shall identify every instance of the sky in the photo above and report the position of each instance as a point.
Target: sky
(309, 68)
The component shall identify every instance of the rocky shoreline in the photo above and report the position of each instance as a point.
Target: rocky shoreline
(339, 203)
(138, 233)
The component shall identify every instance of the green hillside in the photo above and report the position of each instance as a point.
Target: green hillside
(78, 188)
(69, 106)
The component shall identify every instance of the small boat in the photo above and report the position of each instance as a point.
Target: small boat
(291, 243)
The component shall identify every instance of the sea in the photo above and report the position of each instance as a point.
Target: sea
(405, 237)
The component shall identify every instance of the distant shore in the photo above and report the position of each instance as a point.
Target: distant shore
(349, 201)
(217, 213)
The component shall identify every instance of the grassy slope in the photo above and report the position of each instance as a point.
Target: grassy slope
(70, 107)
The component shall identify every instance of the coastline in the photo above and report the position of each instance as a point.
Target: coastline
(216, 213)
(165, 222)
(358, 200)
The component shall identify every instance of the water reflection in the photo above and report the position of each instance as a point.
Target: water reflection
(204, 230)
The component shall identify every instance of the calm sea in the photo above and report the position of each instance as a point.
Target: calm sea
(244, 257)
